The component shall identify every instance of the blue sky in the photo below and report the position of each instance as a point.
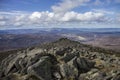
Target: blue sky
(59, 13)
(27, 5)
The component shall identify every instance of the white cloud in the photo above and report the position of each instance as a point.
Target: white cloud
(103, 11)
(67, 5)
(69, 16)
(2, 17)
(113, 1)
(50, 18)
(117, 1)
(12, 12)
(18, 24)
(20, 17)
(98, 2)
(3, 20)
(35, 15)
(62, 15)
(88, 16)
(2, 23)
(118, 18)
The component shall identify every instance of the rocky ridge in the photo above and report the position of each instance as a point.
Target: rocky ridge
(60, 60)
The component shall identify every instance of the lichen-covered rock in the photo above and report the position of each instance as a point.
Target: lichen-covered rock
(41, 69)
(60, 60)
(84, 65)
(69, 70)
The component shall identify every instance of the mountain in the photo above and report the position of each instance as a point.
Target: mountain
(22, 38)
(62, 59)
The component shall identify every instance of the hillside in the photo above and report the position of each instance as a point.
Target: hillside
(60, 60)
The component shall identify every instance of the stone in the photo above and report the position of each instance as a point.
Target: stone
(84, 65)
(117, 78)
(68, 56)
(61, 60)
(41, 69)
(57, 75)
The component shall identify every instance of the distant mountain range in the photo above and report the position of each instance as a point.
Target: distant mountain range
(40, 30)
(21, 38)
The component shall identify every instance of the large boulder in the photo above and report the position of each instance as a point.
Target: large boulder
(84, 64)
(41, 69)
(69, 70)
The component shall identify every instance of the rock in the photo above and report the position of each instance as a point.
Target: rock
(83, 77)
(57, 75)
(41, 69)
(61, 60)
(65, 70)
(117, 78)
(84, 65)
(92, 75)
(68, 56)
(69, 70)
(7, 64)
(108, 77)
(92, 71)
(11, 66)
(63, 51)
(73, 65)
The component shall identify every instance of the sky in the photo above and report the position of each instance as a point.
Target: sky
(25, 14)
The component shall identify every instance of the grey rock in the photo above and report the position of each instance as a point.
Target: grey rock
(65, 70)
(117, 78)
(60, 60)
(69, 70)
(68, 56)
(57, 75)
(84, 65)
(41, 69)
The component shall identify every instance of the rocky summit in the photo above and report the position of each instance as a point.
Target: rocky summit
(61, 60)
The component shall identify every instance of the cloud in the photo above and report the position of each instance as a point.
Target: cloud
(2, 17)
(103, 11)
(67, 5)
(35, 15)
(112, 1)
(50, 18)
(85, 17)
(12, 12)
(20, 17)
(62, 15)
(98, 2)
(3, 20)
(2, 23)
(118, 18)
(117, 1)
